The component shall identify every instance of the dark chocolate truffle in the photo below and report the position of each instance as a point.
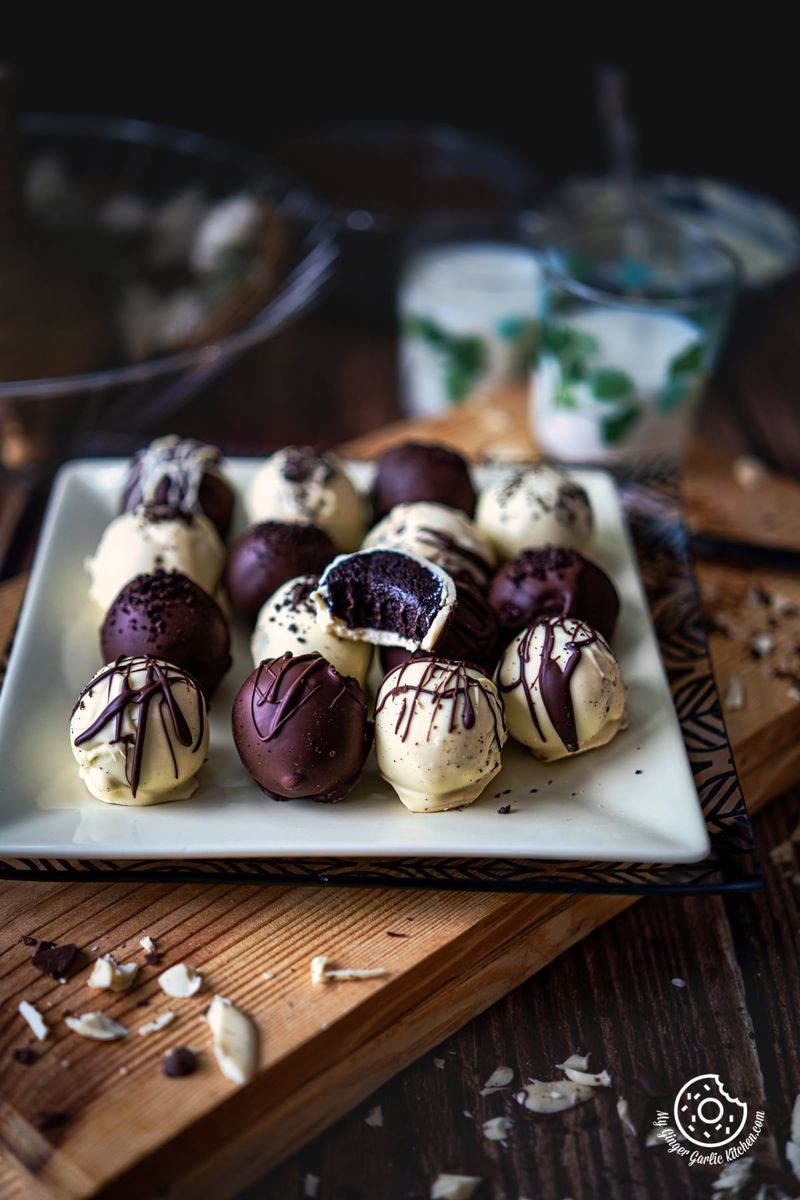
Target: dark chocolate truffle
(267, 555)
(422, 471)
(301, 728)
(167, 616)
(472, 635)
(184, 474)
(553, 582)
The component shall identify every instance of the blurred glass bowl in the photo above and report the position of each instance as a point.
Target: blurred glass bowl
(47, 419)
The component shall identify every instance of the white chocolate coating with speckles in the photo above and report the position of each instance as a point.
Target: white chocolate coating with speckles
(533, 507)
(596, 688)
(445, 536)
(288, 622)
(132, 545)
(297, 485)
(168, 768)
(439, 733)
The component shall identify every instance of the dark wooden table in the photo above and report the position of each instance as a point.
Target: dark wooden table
(612, 994)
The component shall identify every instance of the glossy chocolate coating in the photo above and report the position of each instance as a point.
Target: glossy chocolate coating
(553, 582)
(167, 616)
(269, 554)
(301, 728)
(472, 635)
(420, 471)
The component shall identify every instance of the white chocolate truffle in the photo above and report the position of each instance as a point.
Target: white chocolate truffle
(533, 507)
(439, 733)
(149, 537)
(288, 622)
(385, 597)
(297, 484)
(445, 536)
(139, 732)
(562, 688)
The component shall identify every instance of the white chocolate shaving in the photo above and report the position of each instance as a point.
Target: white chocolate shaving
(235, 1043)
(454, 1187)
(97, 1026)
(374, 1117)
(734, 695)
(499, 1079)
(158, 1023)
(439, 1062)
(108, 974)
(539, 1096)
(497, 1129)
(147, 944)
(310, 1185)
(624, 1114)
(578, 1062)
(320, 971)
(586, 1079)
(31, 1015)
(180, 981)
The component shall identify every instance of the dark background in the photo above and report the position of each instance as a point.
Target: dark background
(724, 104)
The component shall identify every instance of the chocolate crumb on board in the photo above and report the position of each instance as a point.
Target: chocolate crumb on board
(394, 933)
(54, 960)
(504, 808)
(179, 1062)
(47, 1120)
(24, 1055)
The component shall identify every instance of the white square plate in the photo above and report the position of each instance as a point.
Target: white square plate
(633, 800)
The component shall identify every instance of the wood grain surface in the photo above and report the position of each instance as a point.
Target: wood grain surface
(322, 1053)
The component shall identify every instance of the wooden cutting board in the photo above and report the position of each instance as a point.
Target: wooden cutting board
(127, 1130)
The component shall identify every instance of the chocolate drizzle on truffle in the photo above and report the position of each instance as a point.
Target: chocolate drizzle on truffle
(450, 685)
(281, 703)
(554, 680)
(445, 543)
(157, 687)
(554, 581)
(180, 473)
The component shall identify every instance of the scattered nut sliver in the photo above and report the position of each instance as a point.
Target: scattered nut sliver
(34, 1019)
(454, 1187)
(497, 1128)
(539, 1096)
(235, 1043)
(321, 972)
(158, 1023)
(108, 974)
(97, 1026)
(576, 1062)
(499, 1079)
(624, 1114)
(180, 981)
(586, 1079)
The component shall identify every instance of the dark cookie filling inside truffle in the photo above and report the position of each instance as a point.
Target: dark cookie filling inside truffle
(384, 590)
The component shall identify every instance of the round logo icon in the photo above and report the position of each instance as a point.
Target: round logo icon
(706, 1115)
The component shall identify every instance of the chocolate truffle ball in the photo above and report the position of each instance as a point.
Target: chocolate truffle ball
(301, 728)
(184, 474)
(422, 471)
(167, 616)
(472, 635)
(267, 555)
(553, 582)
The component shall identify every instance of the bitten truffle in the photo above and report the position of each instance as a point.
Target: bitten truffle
(562, 687)
(268, 555)
(139, 732)
(439, 733)
(301, 728)
(386, 598)
(472, 635)
(422, 471)
(167, 616)
(553, 582)
(183, 474)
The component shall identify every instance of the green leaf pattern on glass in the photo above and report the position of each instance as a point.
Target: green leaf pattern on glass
(465, 357)
(611, 388)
